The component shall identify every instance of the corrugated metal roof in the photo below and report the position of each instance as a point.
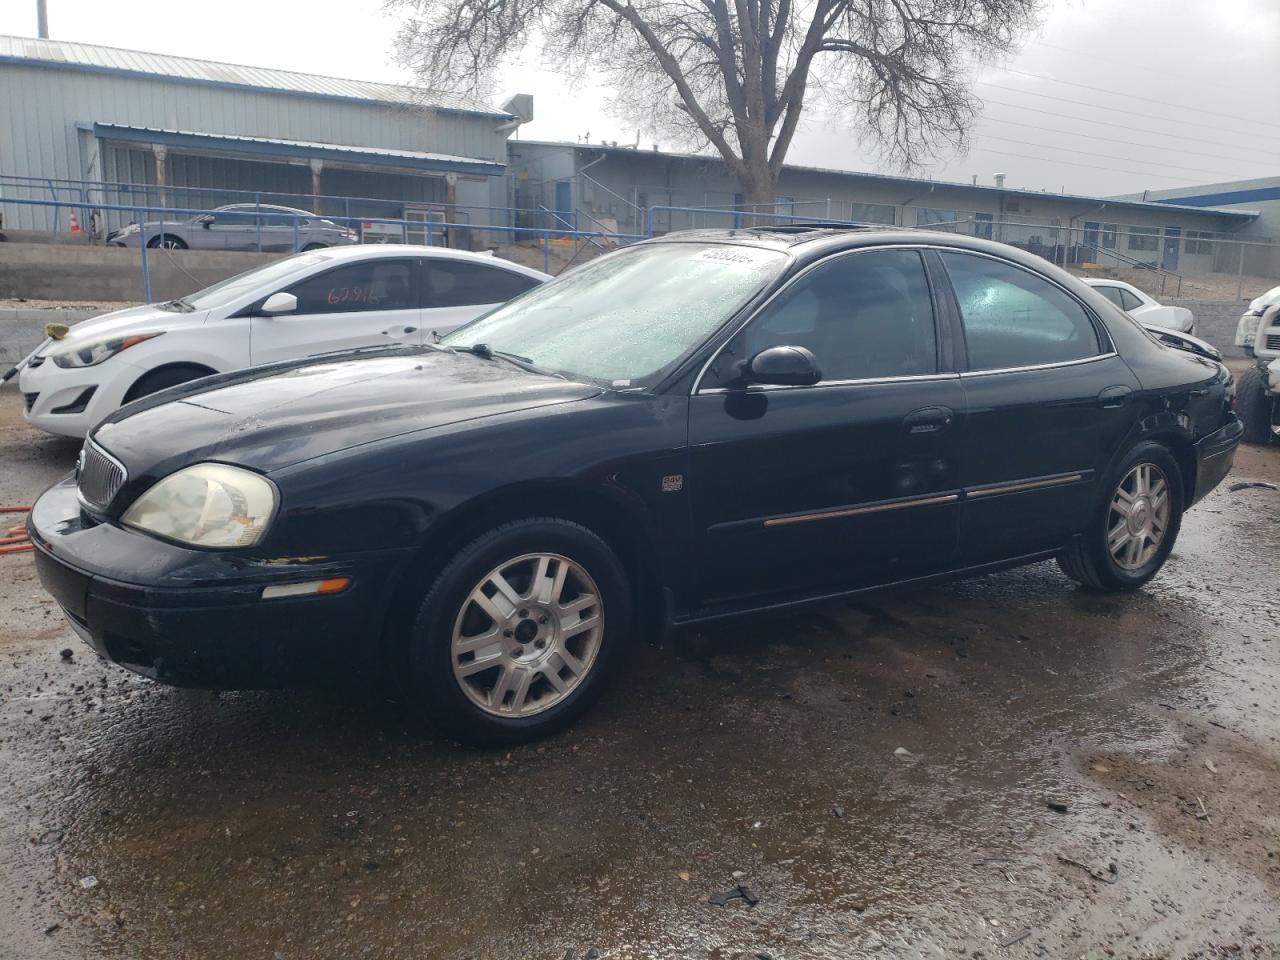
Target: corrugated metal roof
(86, 56)
(231, 141)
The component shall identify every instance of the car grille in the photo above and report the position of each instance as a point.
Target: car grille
(99, 476)
(29, 400)
(1273, 341)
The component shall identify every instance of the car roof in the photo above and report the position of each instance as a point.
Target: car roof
(377, 250)
(267, 206)
(807, 241)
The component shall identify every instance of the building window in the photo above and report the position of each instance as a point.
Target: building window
(929, 216)
(1199, 241)
(1109, 231)
(1144, 238)
(873, 213)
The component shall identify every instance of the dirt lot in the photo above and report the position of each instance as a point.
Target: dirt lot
(138, 821)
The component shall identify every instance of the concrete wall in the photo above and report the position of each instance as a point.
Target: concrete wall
(1216, 322)
(22, 330)
(39, 271)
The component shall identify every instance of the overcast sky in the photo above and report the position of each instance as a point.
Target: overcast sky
(1109, 96)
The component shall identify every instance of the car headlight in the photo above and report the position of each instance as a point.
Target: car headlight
(97, 351)
(206, 505)
(1246, 329)
(128, 228)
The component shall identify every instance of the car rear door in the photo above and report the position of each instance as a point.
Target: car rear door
(1047, 401)
(797, 491)
(366, 303)
(457, 290)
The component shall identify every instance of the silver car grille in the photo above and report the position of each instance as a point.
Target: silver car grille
(1273, 341)
(99, 476)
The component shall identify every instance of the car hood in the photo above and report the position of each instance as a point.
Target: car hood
(122, 323)
(270, 418)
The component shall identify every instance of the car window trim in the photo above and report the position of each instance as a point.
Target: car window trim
(795, 278)
(1106, 346)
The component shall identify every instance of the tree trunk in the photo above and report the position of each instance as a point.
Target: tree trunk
(759, 194)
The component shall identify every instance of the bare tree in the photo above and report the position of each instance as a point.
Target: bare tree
(738, 74)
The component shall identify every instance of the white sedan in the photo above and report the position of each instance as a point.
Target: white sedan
(1144, 309)
(312, 303)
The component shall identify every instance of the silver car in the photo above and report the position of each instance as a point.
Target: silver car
(238, 226)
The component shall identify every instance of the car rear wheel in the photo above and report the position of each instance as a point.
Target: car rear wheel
(1133, 530)
(1254, 406)
(518, 634)
(167, 241)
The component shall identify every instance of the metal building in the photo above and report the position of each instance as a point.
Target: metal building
(632, 189)
(172, 131)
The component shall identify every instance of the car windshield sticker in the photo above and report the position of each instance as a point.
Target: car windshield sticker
(743, 258)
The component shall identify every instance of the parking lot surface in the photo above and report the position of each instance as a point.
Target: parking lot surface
(1007, 766)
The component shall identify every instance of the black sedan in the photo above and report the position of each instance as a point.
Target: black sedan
(691, 428)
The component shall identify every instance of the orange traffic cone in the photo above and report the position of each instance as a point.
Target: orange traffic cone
(75, 224)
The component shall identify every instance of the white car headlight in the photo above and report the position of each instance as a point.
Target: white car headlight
(1246, 329)
(94, 353)
(206, 505)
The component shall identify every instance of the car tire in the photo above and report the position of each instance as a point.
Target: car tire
(161, 378)
(1103, 557)
(1254, 406)
(314, 246)
(168, 241)
(529, 635)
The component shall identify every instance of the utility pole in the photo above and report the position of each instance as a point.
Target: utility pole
(42, 19)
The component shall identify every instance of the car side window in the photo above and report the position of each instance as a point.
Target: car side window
(1014, 318)
(359, 287)
(458, 283)
(863, 316)
(1112, 294)
(1128, 300)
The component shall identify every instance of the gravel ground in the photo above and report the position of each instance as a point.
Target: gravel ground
(1087, 776)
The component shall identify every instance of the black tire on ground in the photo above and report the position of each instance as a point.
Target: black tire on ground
(1254, 406)
(1088, 562)
(162, 377)
(314, 246)
(438, 696)
(167, 240)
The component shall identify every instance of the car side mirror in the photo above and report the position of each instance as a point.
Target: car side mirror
(278, 303)
(785, 366)
(206, 222)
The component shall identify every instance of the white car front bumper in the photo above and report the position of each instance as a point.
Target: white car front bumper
(69, 402)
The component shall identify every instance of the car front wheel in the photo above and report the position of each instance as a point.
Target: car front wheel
(518, 634)
(1132, 532)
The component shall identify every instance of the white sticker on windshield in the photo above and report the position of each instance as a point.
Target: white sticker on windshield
(741, 257)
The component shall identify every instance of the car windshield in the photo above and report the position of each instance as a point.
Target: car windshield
(224, 291)
(625, 319)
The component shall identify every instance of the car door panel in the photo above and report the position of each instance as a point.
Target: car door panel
(1037, 443)
(798, 491)
(367, 303)
(1046, 401)
(816, 489)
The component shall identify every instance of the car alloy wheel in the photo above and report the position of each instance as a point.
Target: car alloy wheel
(527, 635)
(1139, 517)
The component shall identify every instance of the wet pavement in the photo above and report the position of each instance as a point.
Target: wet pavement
(1084, 775)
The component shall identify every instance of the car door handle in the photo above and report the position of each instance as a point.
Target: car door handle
(1113, 397)
(928, 419)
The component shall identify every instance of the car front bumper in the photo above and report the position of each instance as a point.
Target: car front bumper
(199, 619)
(1215, 454)
(69, 401)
